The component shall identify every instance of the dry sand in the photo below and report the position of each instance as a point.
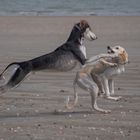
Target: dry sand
(36, 110)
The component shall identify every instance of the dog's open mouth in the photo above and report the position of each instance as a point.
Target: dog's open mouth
(109, 50)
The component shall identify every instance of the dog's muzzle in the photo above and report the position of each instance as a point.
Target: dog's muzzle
(90, 35)
(109, 50)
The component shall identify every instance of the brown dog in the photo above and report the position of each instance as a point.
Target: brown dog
(97, 74)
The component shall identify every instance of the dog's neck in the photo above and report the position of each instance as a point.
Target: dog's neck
(76, 36)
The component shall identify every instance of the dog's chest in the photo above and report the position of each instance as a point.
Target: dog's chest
(112, 72)
(120, 70)
(83, 50)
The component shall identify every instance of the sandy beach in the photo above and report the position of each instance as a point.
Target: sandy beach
(36, 109)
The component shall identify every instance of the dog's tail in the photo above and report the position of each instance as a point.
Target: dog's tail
(12, 75)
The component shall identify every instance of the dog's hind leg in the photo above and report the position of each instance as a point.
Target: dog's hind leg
(68, 105)
(86, 83)
(94, 93)
(97, 80)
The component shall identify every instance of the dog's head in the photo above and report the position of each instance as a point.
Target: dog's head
(120, 52)
(85, 29)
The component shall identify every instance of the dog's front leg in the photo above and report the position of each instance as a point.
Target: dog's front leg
(111, 89)
(111, 86)
(107, 90)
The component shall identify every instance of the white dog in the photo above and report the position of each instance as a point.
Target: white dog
(108, 75)
(97, 75)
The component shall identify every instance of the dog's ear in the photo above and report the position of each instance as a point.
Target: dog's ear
(84, 24)
(124, 57)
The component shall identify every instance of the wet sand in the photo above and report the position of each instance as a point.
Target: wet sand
(36, 109)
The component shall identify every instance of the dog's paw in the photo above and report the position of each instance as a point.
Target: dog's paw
(114, 98)
(114, 65)
(107, 111)
(104, 111)
(69, 105)
(118, 98)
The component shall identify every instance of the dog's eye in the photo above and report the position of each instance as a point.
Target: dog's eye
(117, 48)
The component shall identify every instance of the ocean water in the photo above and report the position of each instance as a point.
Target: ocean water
(69, 7)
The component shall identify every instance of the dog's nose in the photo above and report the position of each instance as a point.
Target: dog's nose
(108, 47)
(93, 38)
